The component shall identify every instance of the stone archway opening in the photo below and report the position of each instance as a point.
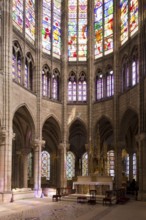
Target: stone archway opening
(23, 127)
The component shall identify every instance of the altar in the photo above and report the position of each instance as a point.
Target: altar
(94, 182)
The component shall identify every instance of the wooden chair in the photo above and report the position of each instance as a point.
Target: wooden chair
(108, 197)
(92, 199)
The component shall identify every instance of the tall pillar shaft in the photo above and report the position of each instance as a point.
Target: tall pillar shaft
(64, 70)
(37, 166)
(90, 92)
(6, 123)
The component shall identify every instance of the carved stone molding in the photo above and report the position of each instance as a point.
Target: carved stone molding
(2, 135)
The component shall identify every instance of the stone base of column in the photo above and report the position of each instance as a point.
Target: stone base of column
(38, 193)
(6, 197)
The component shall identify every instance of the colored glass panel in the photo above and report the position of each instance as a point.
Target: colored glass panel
(133, 16)
(108, 26)
(134, 166)
(99, 85)
(46, 26)
(54, 88)
(72, 30)
(98, 27)
(70, 165)
(111, 163)
(26, 76)
(14, 67)
(45, 160)
(30, 19)
(82, 30)
(85, 164)
(56, 28)
(19, 70)
(124, 20)
(17, 14)
(77, 30)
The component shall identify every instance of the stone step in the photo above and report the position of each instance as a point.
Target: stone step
(73, 197)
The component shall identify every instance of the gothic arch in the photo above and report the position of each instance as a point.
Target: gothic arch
(77, 137)
(51, 132)
(104, 129)
(129, 127)
(24, 130)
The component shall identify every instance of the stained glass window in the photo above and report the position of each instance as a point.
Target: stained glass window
(126, 75)
(134, 166)
(30, 19)
(77, 30)
(98, 26)
(133, 73)
(110, 163)
(127, 166)
(72, 88)
(19, 70)
(70, 165)
(17, 14)
(82, 88)
(46, 31)
(51, 30)
(103, 26)
(129, 18)
(13, 67)
(85, 164)
(124, 20)
(99, 87)
(16, 64)
(28, 75)
(108, 26)
(55, 86)
(45, 82)
(110, 83)
(45, 159)
(56, 28)
(25, 9)
(133, 16)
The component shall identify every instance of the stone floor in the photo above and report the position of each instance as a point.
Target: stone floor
(45, 209)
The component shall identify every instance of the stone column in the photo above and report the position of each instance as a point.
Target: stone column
(6, 123)
(37, 145)
(142, 64)
(90, 81)
(64, 70)
(25, 153)
(62, 165)
(118, 165)
(17, 169)
(117, 73)
(104, 158)
(141, 139)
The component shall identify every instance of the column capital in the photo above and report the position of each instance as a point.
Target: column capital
(61, 146)
(38, 143)
(3, 134)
